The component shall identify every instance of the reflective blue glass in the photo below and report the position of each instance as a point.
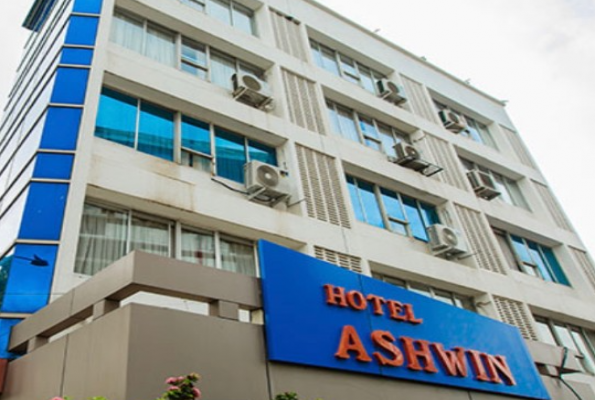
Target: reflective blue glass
(520, 249)
(44, 211)
(429, 214)
(116, 117)
(76, 56)
(539, 261)
(70, 86)
(53, 166)
(370, 204)
(554, 266)
(196, 135)
(156, 131)
(6, 325)
(355, 201)
(82, 30)
(394, 211)
(262, 152)
(416, 223)
(11, 221)
(61, 128)
(30, 279)
(87, 6)
(230, 155)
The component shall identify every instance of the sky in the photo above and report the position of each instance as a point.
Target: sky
(538, 55)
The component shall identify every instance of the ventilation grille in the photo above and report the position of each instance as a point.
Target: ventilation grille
(514, 313)
(481, 241)
(322, 189)
(445, 157)
(343, 260)
(419, 99)
(518, 147)
(586, 264)
(553, 206)
(287, 35)
(303, 103)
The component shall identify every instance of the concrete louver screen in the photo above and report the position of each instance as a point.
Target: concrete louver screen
(343, 260)
(304, 108)
(445, 157)
(419, 100)
(287, 35)
(514, 313)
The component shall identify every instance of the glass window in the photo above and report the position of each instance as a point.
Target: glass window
(230, 150)
(348, 128)
(220, 10)
(196, 144)
(150, 236)
(366, 79)
(222, 69)
(194, 58)
(196, 4)
(238, 257)
(102, 239)
(403, 214)
(156, 131)
(198, 247)
(394, 211)
(368, 128)
(329, 60)
(127, 32)
(261, 152)
(243, 18)
(116, 117)
(161, 45)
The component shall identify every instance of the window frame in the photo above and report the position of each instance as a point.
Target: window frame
(484, 135)
(382, 208)
(587, 361)
(231, 6)
(356, 77)
(380, 127)
(175, 229)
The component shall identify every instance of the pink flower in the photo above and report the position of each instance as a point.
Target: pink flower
(171, 388)
(57, 398)
(196, 393)
(181, 378)
(170, 381)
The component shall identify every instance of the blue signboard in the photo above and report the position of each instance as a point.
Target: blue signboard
(321, 315)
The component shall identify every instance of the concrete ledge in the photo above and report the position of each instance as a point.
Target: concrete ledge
(134, 273)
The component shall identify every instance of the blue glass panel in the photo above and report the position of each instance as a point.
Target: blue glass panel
(30, 279)
(61, 128)
(554, 266)
(116, 117)
(539, 261)
(196, 135)
(76, 56)
(262, 152)
(156, 131)
(394, 211)
(10, 222)
(82, 30)
(5, 264)
(370, 204)
(70, 86)
(53, 166)
(230, 155)
(355, 201)
(416, 223)
(520, 249)
(44, 211)
(6, 325)
(87, 6)
(429, 214)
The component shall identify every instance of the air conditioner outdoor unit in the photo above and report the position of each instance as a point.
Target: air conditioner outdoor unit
(390, 91)
(452, 121)
(483, 184)
(266, 182)
(252, 90)
(409, 156)
(446, 241)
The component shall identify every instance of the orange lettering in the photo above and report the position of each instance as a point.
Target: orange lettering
(497, 366)
(384, 340)
(377, 302)
(357, 300)
(409, 315)
(395, 308)
(453, 360)
(414, 355)
(477, 364)
(350, 341)
(335, 295)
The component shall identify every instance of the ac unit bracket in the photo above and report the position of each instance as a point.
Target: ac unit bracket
(424, 167)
